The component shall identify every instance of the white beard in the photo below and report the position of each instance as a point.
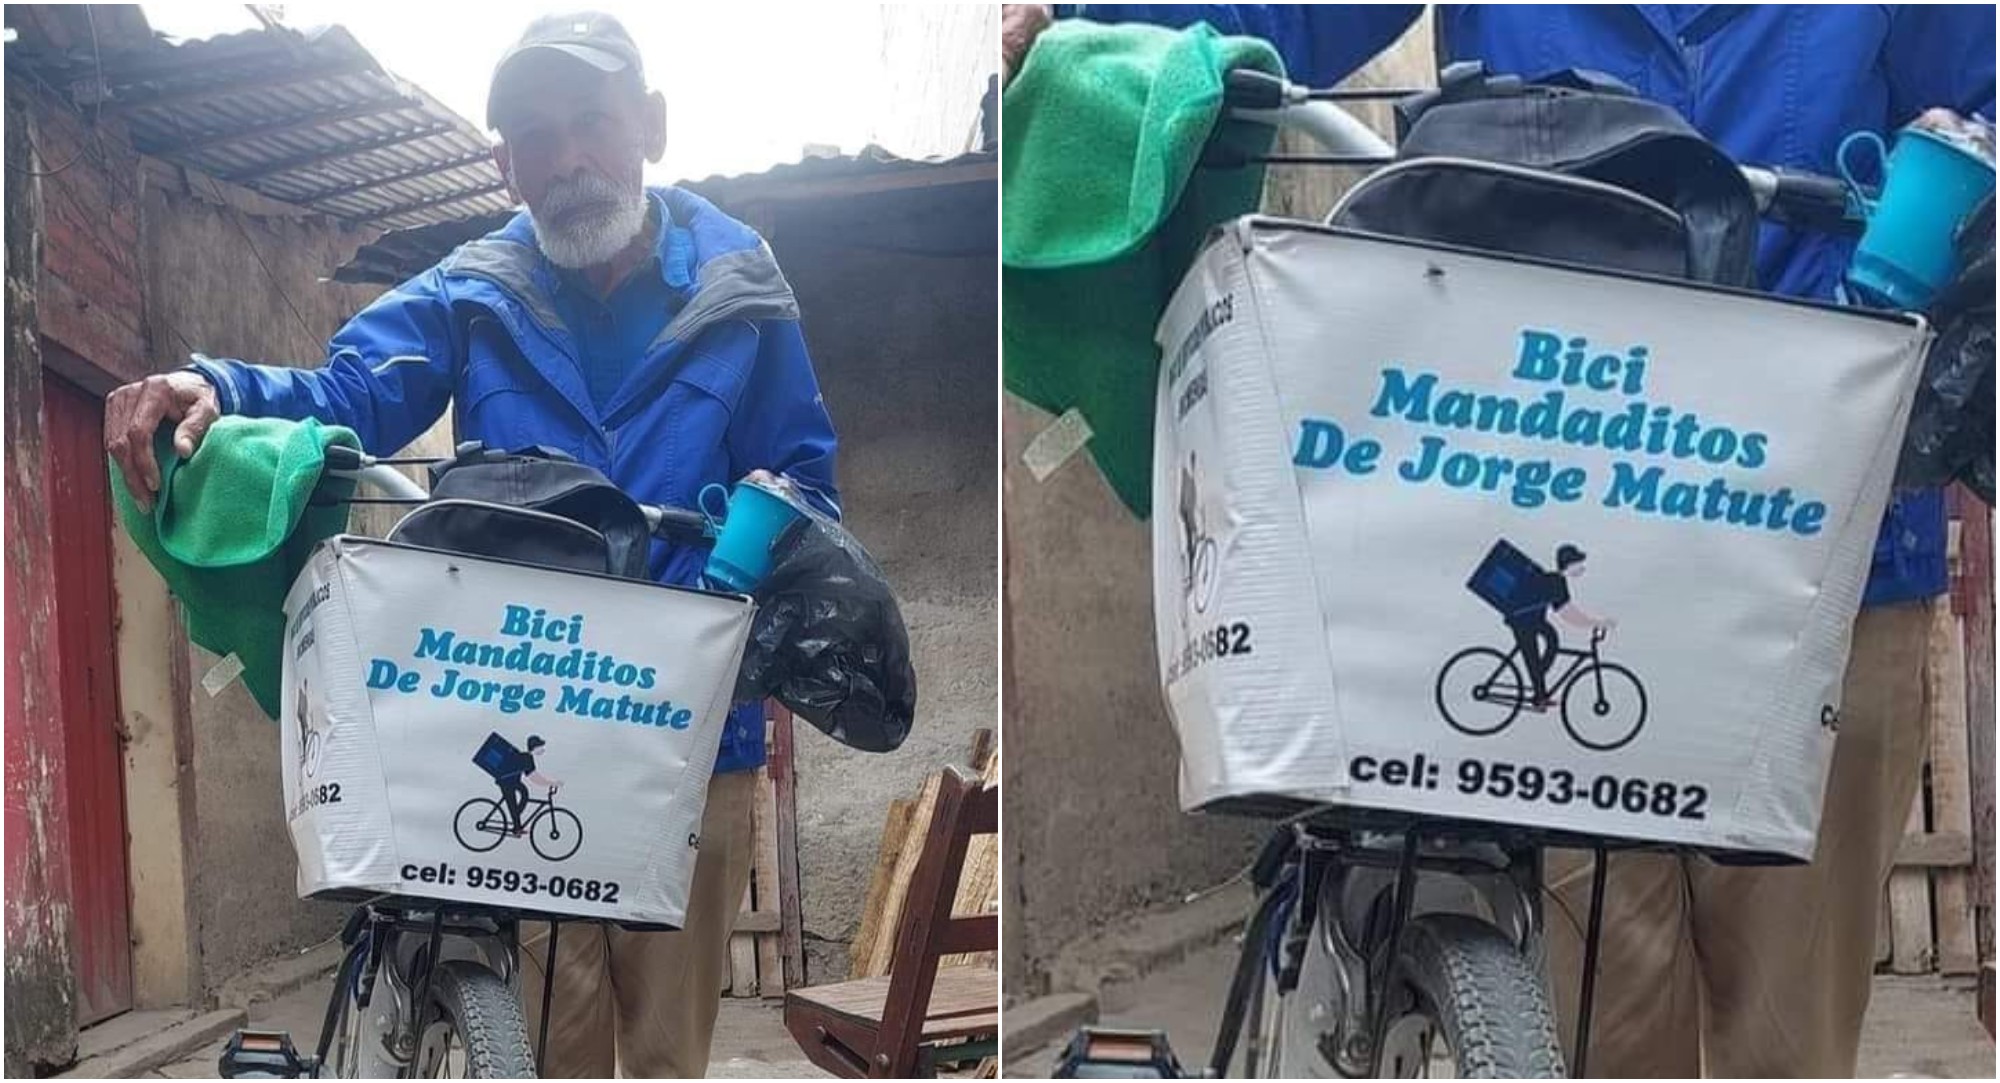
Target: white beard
(615, 215)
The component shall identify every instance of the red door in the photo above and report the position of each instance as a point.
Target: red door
(80, 524)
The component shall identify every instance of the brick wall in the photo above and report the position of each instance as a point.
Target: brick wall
(90, 289)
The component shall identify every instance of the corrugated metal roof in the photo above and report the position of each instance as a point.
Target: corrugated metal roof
(812, 176)
(305, 117)
(397, 255)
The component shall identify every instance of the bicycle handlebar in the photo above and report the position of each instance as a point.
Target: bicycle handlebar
(1793, 197)
(665, 521)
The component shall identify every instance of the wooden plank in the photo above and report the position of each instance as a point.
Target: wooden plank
(979, 883)
(1957, 947)
(761, 922)
(792, 942)
(1947, 849)
(1910, 907)
(982, 751)
(764, 884)
(1951, 793)
(1986, 997)
(884, 947)
(895, 828)
(743, 959)
(1883, 944)
(1972, 598)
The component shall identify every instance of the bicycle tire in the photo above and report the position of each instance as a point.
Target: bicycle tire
(491, 839)
(472, 1002)
(555, 850)
(1486, 997)
(1502, 662)
(1583, 676)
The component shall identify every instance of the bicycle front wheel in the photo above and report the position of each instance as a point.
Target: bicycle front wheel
(476, 1029)
(1604, 707)
(1471, 1006)
(555, 834)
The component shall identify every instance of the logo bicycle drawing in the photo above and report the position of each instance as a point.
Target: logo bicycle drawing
(1481, 690)
(311, 740)
(483, 823)
(1200, 560)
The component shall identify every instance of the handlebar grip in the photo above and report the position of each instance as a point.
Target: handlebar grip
(680, 524)
(342, 458)
(1247, 88)
(1812, 200)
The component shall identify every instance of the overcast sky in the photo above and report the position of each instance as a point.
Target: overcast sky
(747, 85)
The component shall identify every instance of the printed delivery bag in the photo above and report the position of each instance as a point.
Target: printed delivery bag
(1508, 540)
(484, 731)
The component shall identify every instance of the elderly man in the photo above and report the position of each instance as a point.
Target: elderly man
(1739, 972)
(641, 331)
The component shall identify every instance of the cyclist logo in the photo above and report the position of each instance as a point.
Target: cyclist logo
(310, 742)
(1199, 559)
(483, 823)
(1481, 690)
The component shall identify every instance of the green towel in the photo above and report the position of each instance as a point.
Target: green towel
(1103, 210)
(231, 529)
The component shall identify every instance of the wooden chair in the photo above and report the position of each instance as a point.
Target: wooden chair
(920, 1015)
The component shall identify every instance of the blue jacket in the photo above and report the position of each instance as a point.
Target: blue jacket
(725, 389)
(1771, 84)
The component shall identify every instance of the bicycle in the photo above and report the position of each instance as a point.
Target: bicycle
(1400, 944)
(1482, 677)
(554, 833)
(427, 988)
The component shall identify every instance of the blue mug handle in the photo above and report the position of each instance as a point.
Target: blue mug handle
(714, 518)
(1861, 196)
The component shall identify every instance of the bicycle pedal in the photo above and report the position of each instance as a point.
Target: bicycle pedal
(1107, 1053)
(264, 1054)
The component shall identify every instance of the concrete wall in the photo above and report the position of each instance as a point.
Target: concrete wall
(904, 346)
(1093, 824)
(231, 274)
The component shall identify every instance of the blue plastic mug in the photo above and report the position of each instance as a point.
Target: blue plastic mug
(746, 527)
(1929, 186)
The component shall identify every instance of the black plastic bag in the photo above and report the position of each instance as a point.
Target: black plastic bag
(829, 641)
(1950, 436)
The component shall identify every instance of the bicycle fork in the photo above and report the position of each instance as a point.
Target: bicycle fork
(383, 982)
(1358, 896)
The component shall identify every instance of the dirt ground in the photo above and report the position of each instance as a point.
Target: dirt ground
(750, 1039)
(1921, 1027)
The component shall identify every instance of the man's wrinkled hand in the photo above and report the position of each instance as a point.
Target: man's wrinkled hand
(133, 413)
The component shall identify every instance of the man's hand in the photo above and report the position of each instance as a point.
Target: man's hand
(1020, 25)
(133, 413)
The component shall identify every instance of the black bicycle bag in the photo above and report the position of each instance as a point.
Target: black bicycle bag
(1572, 167)
(538, 506)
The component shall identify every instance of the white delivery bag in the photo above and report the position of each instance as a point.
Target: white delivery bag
(414, 680)
(1382, 467)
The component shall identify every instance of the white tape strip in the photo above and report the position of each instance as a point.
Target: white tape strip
(1054, 445)
(225, 671)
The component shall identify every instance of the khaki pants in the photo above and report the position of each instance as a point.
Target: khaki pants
(1758, 972)
(646, 1002)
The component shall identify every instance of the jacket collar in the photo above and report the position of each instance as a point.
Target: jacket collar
(724, 270)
